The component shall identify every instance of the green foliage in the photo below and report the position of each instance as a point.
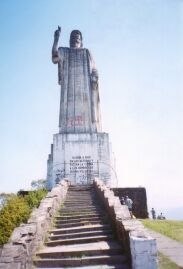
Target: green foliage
(16, 210)
(3, 198)
(34, 197)
(170, 228)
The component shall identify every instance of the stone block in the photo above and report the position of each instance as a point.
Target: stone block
(143, 251)
(133, 225)
(6, 259)
(122, 212)
(13, 265)
(80, 157)
(139, 198)
(23, 233)
(10, 250)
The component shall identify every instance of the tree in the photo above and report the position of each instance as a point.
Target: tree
(15, 211)
(38, 184)
(3, 198)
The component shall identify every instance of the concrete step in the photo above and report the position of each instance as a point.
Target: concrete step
(80, 213)
(77, 261)
(86, 195)
(102, 266)
(80, 234)
(81, 188)
(96, 227)
(82, 192)
(61, 220)
(80, 240)
(80, 210)
(79, 203)
(90, 249)
(76, 224)
(81, 195)
(80, 207)
(78, 216)
(75, 205)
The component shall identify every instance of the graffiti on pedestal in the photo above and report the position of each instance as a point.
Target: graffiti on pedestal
(75, 121)
(60, 173)
(81, 168)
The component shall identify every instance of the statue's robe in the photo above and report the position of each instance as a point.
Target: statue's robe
(74, 72)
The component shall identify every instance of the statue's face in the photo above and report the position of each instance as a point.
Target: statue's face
(76, 40)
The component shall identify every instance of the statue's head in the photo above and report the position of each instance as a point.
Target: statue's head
(76, 39)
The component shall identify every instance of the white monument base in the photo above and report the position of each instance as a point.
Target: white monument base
(80, 157)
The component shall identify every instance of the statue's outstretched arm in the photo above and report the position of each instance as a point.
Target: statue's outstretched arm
(55, 54)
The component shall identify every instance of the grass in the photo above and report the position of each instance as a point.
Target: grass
(165, 263)
(170, 228)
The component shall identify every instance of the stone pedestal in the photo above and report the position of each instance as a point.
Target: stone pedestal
(80, 157)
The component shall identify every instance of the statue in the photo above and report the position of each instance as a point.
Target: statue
(78, 77)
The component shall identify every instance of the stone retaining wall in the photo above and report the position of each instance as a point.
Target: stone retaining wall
(28, 238)
(139, 246)
(139, 198)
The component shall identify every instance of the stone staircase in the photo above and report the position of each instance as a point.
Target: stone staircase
(82, 236)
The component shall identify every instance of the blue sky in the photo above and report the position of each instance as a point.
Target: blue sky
(137, 47)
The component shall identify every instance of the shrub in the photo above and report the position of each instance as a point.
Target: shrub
(16, 210)
(34, 198)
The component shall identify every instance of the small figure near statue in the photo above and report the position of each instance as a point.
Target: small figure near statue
(161, 217)
(122, 200)
(153, 212)
(128, 202)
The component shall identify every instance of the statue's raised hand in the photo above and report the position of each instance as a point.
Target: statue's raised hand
(57, 34)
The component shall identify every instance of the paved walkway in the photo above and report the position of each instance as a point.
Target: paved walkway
(169, 247)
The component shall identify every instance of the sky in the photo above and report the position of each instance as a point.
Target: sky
(138, 50)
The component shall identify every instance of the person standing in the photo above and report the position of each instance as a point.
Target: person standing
(122, 200)
(129, 203)
(153, 212)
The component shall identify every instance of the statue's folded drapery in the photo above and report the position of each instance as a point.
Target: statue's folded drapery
(74, 69)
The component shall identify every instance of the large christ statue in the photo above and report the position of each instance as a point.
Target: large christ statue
(80, 151)
(78, 77)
